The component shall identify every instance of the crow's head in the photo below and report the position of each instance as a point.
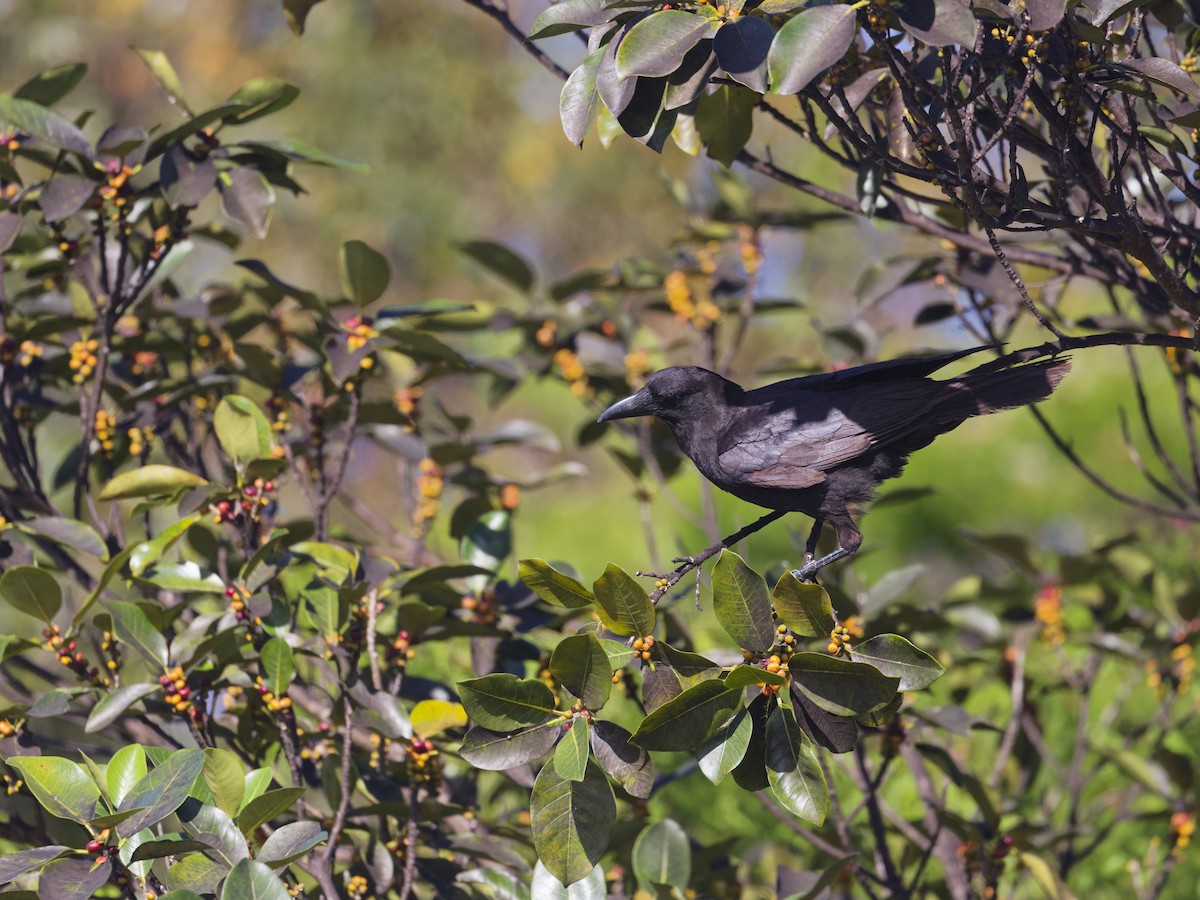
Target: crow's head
(674, 394)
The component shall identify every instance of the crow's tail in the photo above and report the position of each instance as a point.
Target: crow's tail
(989, 392)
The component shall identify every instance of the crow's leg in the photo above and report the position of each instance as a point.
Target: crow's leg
(849, 540)
(810, 548)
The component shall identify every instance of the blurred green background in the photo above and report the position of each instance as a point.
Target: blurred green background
(460, 129)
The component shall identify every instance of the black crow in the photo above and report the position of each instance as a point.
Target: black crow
(821, 444)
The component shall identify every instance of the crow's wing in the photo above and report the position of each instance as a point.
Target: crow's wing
(791, 442)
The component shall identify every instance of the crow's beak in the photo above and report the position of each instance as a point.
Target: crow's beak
(637, 405)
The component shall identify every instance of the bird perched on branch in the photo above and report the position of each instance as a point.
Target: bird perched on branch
(821, 444)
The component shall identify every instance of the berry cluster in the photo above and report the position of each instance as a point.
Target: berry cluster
(112, 649)
(481, 609)
(83, 359)
(546, 334)
(408, 400)
(273, 703)
(7, 729)
(839, 641)
(510, 496)
(572, 372)
(117, 190)
(72, 657)
(237, 603)
(12, 785)
(176, 687)
(105, 431)
(402, 650)
(642, 647)
(1183, 826)
(1048, 609)
(359, 330)
(280, 416)
(379, 749)
(357, 886)
(424, 763)
(253, 501)
(431, 481)
(878, 14)
(140, 438)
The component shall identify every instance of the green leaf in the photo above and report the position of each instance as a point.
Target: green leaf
(166, 76)
(252, 880)
(247, 198)
(744, 676)
(741, 603)
(572, 821)
(73, 878)
(503, 702)
(487, 543)
(146, 553)
(162, 791)
(296, 12)
(577, 103)
(290, 841)
(940, 23)
(623, 604)
(62, 787)
(500, 261)
(571, 754)
(260, 97)
(804, 608)
(893, 655)
(808, 44)
(841, 687)
(656, 45)
(242, 430)
(302, 151)
(69, 533)
(64, 195)
(630, 766)
(546, 887)
(124, 770)
(186, 179)
(365, 272)
(570, 15)
(226, 779)
(32, 591)
(114, 703)
(132, 627)
(778, 7)
(662, 856)
(14, 865)
(553, 586)
(687, 721)
(184, 578)
(257, 781)
(266, 807)
(496, 751)
(792, 769)
(722, 753)
(44, 124)
(742, 46)
(149, 481)
(278, 667)
(581, 666)
(431, 717)
(48, 87)
(1164, 137)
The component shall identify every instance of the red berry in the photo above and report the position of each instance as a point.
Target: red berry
(93, 846)
(230, 592)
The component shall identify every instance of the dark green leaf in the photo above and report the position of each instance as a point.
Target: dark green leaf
(742, 45)
(553, 586)
(581, 666)
(124, 770)
(500, 261)
(184, 578)
(503, 702)
(278, 666)
(724, 120)
(32, 591)
(266, 807)
(162, 791)
(896, 656)
(289, 842)
(302, 151)
(804, 608)
(247, 198)
(47, 88)
(841, 687)
(147, 553)
(252, 880)
(16, 864)
(577, 103)
(149, 481)
(114, 703)
(69, 533)
(225, 777)
(662, 856)
(656, 45)
(167, 847)
(133, 628)
(73, 878)
(943, 22)
(630, 766)
(623, 604)
(44, 124)
(572, 821)
(792, 769)
(809, 44)
(725, 750)
(687, 721)
(296, 12)
(260, 97)
(186, 179)
(242, 430)
(64, 195)
(62, 787)
(1043, 15)
(365, 272)
(570, 15)
(495, 751)
(571, 754)
(744, 676)
(741, 603)
(166, 76)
